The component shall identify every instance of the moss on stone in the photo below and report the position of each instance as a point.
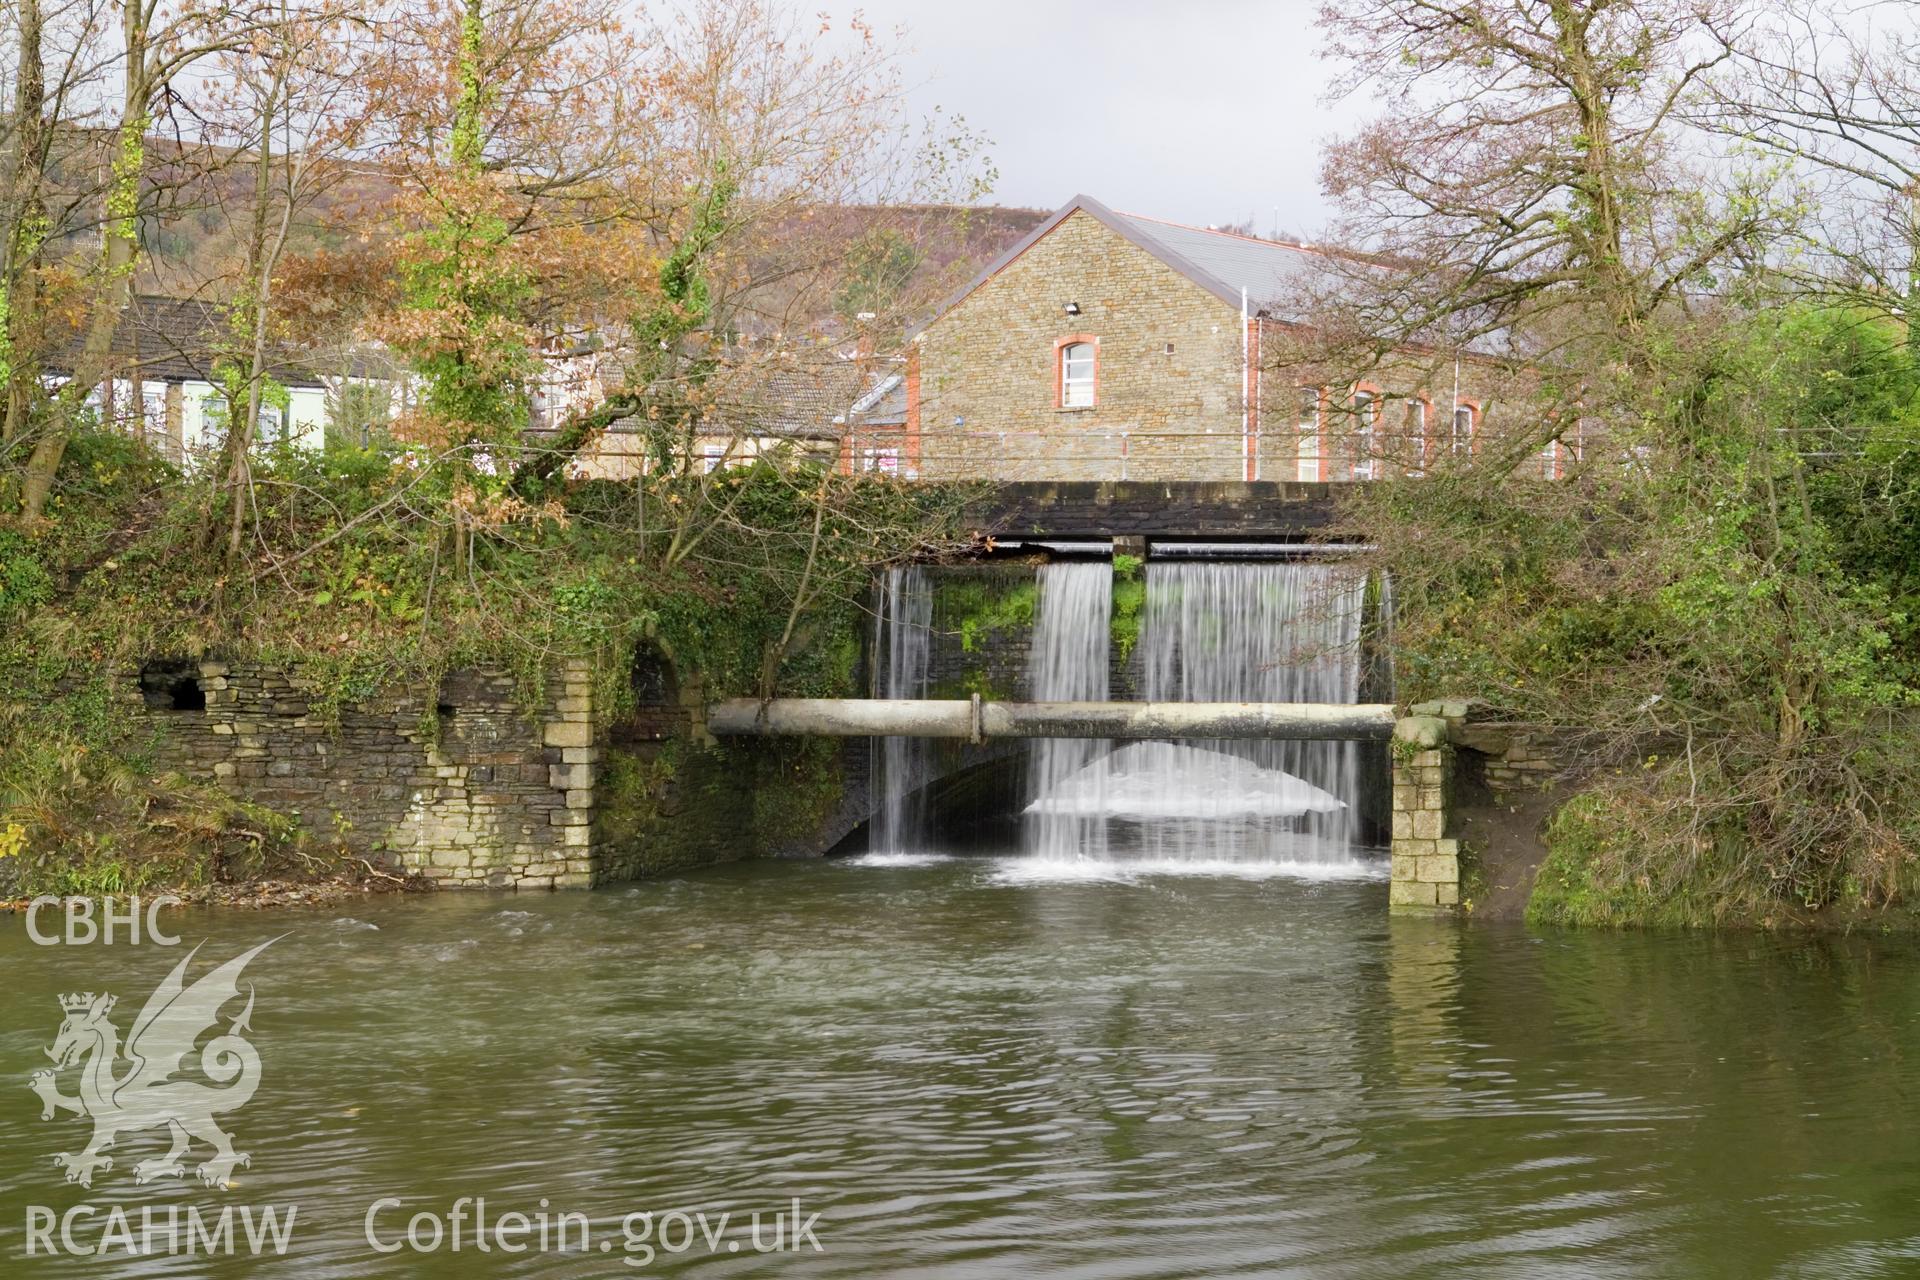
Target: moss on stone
(1129, 602)
(679, 805)
(975, 606)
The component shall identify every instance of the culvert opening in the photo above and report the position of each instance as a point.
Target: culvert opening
(172, 684)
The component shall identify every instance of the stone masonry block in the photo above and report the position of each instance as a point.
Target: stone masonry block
(1412, 893)
(1428, 824)
(1439, 868)
(568, 733)
(566, 777)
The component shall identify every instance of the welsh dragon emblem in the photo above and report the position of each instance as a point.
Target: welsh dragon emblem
(147, 1094)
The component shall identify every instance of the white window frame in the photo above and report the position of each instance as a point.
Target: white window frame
(1366, 411)
(1462, 442)
(1074, 386)
(1308, 421)
(153, 407)
(215, 420)
(1413, 421)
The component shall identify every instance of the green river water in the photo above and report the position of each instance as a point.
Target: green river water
(970, 1068)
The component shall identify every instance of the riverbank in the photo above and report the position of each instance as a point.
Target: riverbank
(382, 673)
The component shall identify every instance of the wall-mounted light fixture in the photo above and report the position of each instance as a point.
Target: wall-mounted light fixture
(1073, 308)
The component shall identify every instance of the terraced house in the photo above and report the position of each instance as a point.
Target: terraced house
(1108, 345)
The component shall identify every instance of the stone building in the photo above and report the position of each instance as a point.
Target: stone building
(1111, 346)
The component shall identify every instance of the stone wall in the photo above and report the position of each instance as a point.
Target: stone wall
(980, 645)
(1426, 861)
(1426, 855)
(1512, 759)
(1169, 383)
(1446, 761)
(464, 784)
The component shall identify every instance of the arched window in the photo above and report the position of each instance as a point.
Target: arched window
(1412, 450)
(1361, 444)
(1463, 429)
(1076, 374)
(1309, 467)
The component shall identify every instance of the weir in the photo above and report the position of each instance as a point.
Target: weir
(903, 636)
(1186, 711)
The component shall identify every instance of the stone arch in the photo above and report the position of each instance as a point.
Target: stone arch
(662, 704)
(975, 796)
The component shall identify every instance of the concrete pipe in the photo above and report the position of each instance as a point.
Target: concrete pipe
(976, 721)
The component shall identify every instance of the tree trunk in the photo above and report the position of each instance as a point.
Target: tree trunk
(261, 260)
(119, 249)
(26, 224)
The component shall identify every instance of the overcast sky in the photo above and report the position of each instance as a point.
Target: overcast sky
(1202, 111)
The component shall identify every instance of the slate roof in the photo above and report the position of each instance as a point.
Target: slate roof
(808, 400)
(1272, 272)
(167, 339)
(813, 400)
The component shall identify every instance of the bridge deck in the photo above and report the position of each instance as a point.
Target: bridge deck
(1226, 510)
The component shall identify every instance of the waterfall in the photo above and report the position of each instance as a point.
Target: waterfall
(1068, 663)
(1259, 631)
(1283, 631)
(902, 649)
(1210, 632)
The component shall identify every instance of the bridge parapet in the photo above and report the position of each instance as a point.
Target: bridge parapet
(1227, 510)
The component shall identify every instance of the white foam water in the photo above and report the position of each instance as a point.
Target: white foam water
(1067, 662)
(903, 653)
(1210, 632)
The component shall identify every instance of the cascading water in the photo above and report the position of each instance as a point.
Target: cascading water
(1282, 631)
(1068, 663)
(903, 648)
(1210, 632)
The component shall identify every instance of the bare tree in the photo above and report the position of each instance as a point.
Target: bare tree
(1840, 103)
(1524, 194)
(159, 41)
(293, 106)
(56, 67)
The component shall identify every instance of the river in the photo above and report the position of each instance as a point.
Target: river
(974, 1068)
